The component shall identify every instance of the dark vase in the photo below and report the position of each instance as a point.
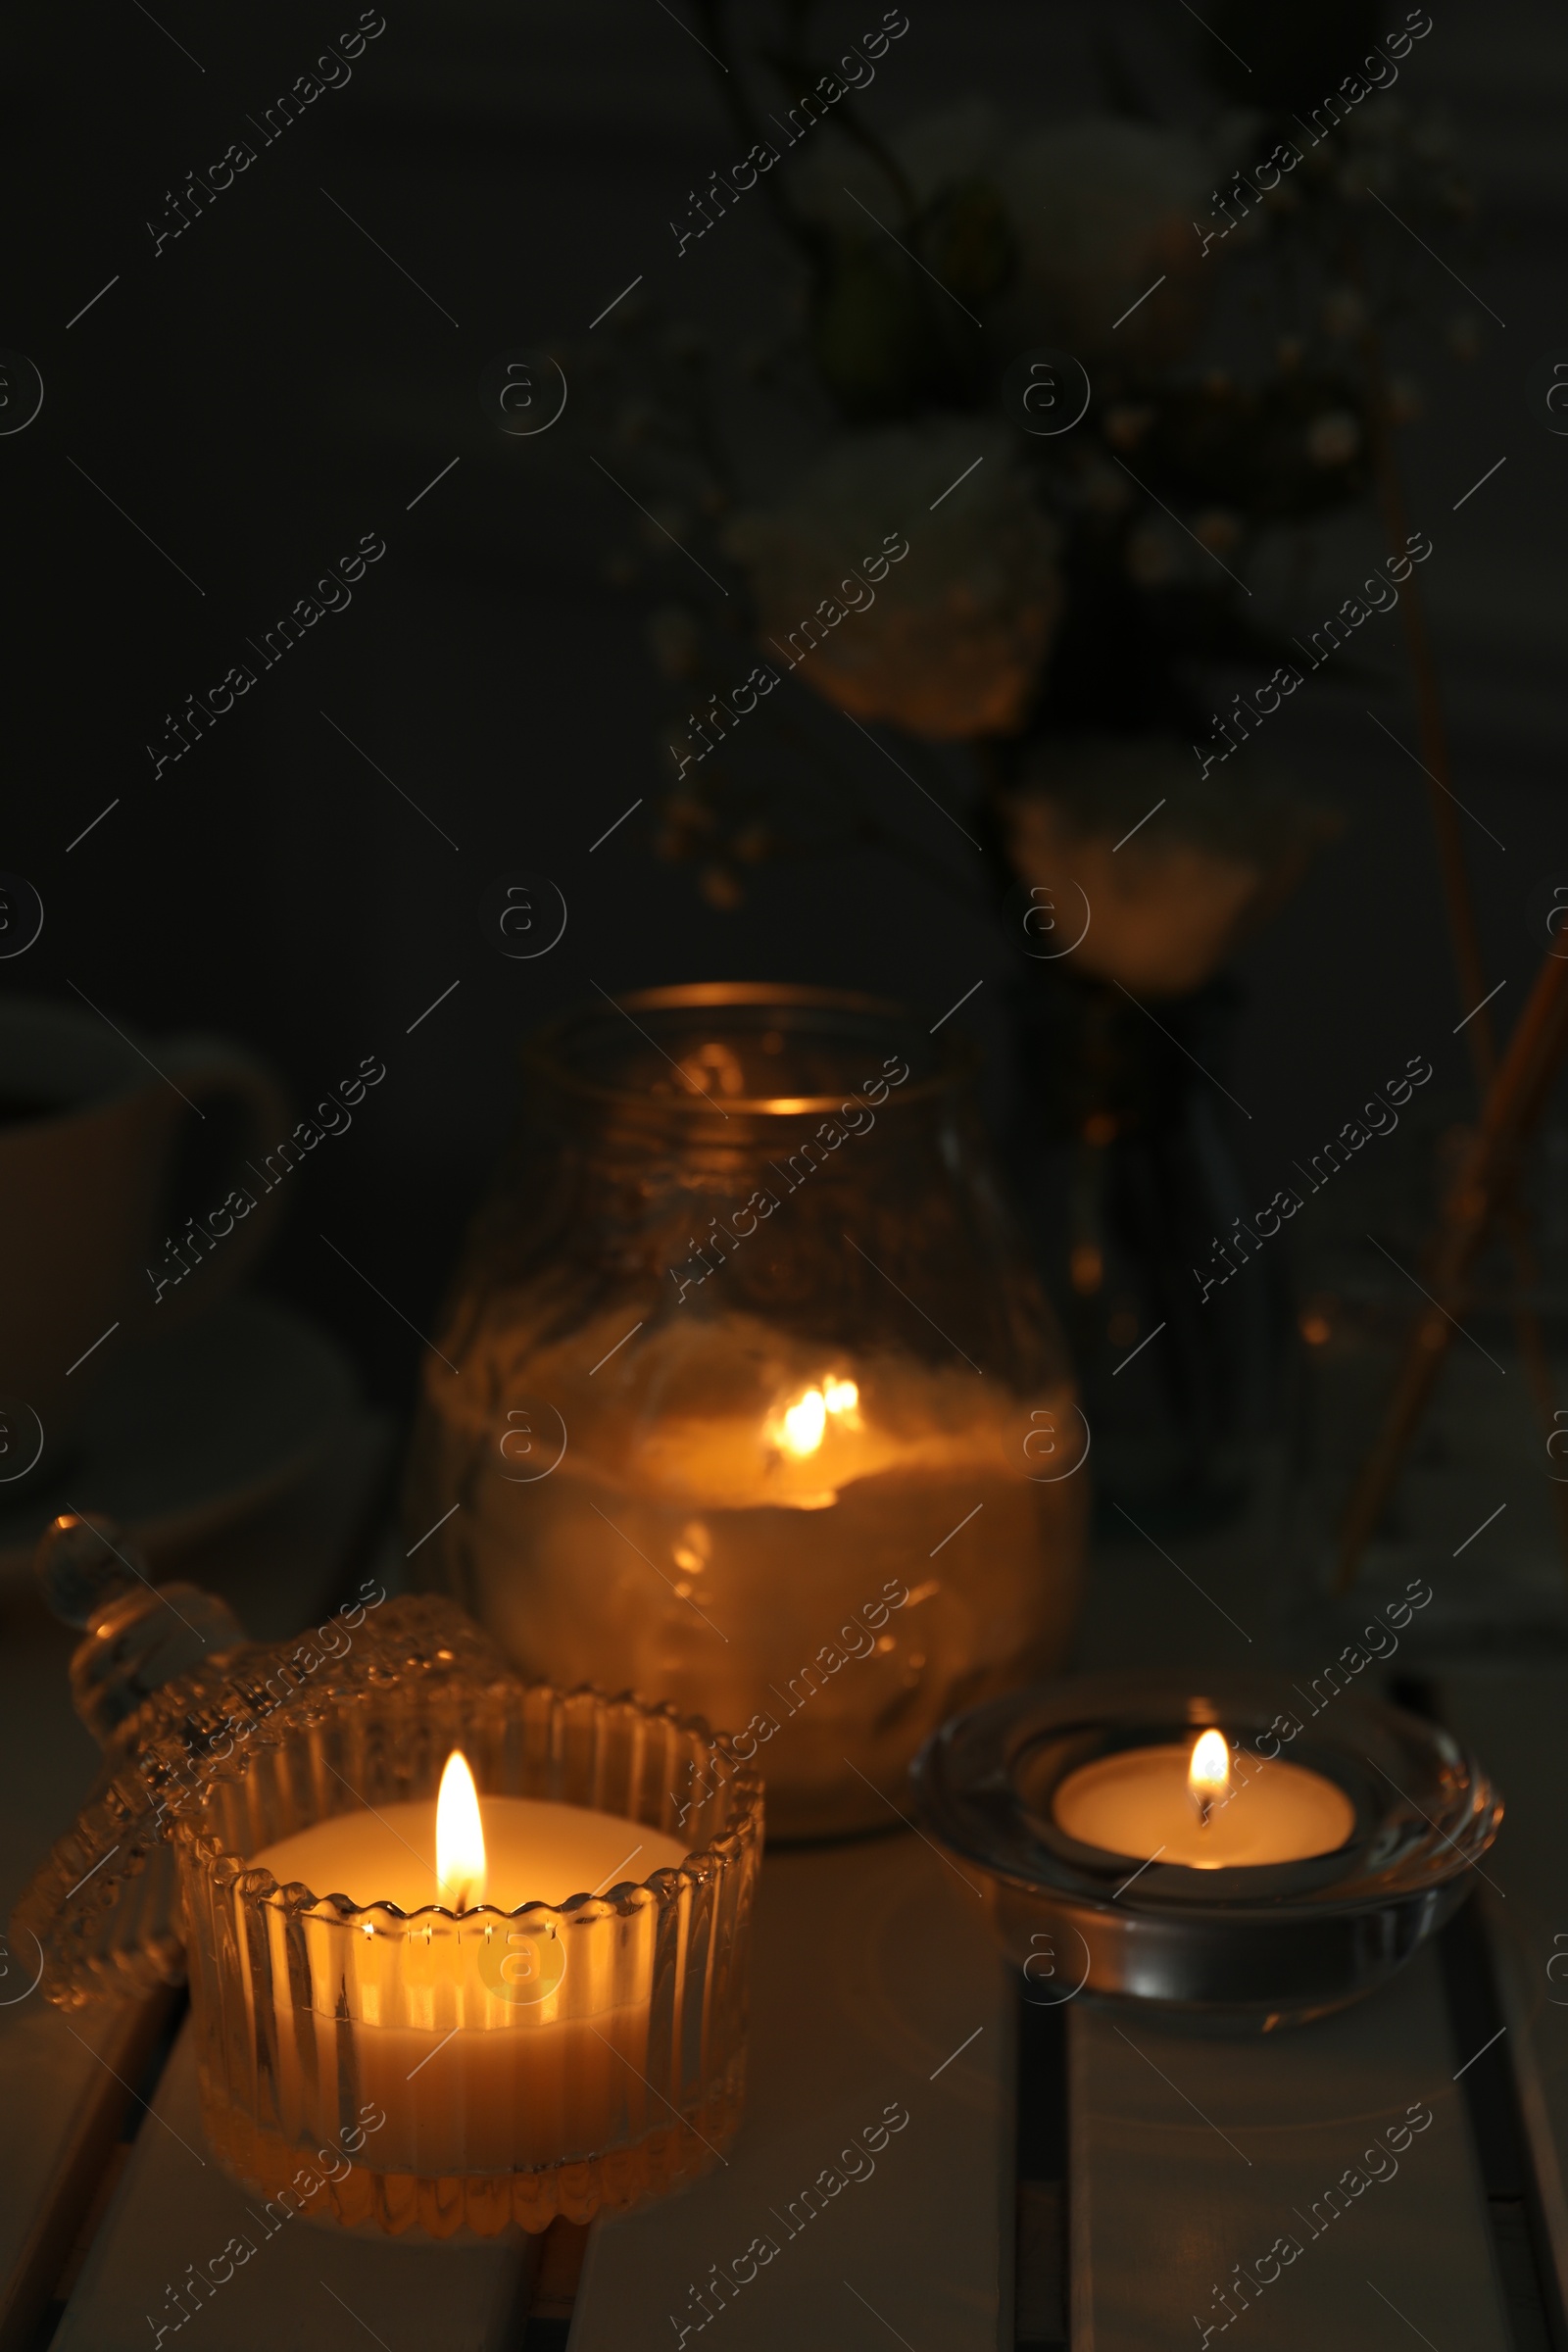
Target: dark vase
(1126, 1177)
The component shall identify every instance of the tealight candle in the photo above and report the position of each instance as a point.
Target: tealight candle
(1175, 1804)
(521, 1849)
(459, 2030)
(1296, 1888)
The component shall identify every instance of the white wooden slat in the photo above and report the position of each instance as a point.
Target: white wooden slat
(309, 2287)
(67, 2084)
(1513, 1720)
(875, 1987)
(58, 2095)
(64, 2096)
(303, 2284)
(1165, 2201)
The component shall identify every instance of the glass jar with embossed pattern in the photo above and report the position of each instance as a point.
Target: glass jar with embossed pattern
(745, 1395)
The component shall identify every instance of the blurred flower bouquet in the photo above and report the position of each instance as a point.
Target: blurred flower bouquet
(1047, 398)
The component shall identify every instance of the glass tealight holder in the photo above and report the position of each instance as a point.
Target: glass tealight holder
(1229, 1951)
(439, 2073)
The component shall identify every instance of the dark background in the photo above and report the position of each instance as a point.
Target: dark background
(270, 388)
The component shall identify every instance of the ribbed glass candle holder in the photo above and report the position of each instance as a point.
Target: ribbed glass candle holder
(489, 2070)
(441, 2071)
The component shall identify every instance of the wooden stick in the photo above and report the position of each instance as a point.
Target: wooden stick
(1463, 933)
(1533, 1346)
(1514, 1102)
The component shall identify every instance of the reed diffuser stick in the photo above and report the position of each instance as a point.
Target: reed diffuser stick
(1514, 1102)
(1463, 932)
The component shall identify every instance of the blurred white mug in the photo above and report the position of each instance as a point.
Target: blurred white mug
(89, 1123)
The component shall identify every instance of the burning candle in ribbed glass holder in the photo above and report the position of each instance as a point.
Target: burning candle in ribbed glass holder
(464, 1953)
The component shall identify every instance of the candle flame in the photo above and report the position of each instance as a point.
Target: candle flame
(460, 1863)
(802, 1425)
(1208, 1774)
(803, 1422)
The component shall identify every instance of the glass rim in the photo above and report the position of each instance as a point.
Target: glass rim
(744, 1786)
(959, 1058)
(1013, 1837)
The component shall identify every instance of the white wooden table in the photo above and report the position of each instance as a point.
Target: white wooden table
(1145, 2166)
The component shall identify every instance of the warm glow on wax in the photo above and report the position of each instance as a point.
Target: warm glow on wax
(460, 1863)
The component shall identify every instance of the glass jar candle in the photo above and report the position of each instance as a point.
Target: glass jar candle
(746, 1393)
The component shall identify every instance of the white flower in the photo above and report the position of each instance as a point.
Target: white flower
(1102, 208)
(1167, 904)
(948, 641)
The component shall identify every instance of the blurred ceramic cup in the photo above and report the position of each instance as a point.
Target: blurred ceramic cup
(88, 1136)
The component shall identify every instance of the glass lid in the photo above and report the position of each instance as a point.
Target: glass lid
(102, 1915)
